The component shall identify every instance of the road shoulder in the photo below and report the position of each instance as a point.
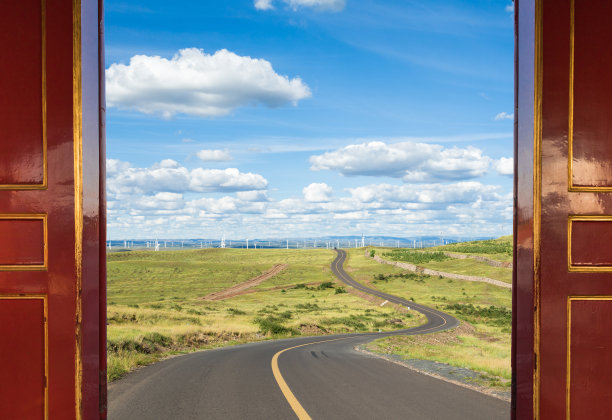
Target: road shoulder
(459, 376)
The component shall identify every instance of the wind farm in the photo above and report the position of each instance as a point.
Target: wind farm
(323, 242)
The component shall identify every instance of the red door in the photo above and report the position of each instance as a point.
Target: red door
(51, 323)
(563, 285)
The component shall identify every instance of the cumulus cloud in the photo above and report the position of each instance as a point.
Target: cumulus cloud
(413, 162)
(317, 192)
(170, 200)
(195, 83)
(505, 166)
(263, 4)
(256, 196)
(352, 215)
(459, 192)
(159, 201)
(323, 5)
(170, 176)
(227, 180)
(216, 155)
(504, 116)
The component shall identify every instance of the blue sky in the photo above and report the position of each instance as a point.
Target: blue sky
(275, 118)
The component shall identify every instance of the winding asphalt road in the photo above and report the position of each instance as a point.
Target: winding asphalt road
(305, 377)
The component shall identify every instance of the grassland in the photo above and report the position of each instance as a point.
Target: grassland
(156, 307)
(434, 258)
(482, 343)
(499, 249)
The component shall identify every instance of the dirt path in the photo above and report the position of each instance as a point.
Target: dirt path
(237, 289)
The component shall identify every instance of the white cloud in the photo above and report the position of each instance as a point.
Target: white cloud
(115, 166)
(216, 155)
(510, 7)
(170, 176)
(195, 83)
(317, 192)
(169, 200)
(504, 116)
(227, 180)
(352, 215)
(256, 196)
(505, 166)
(160, 201)
(414, 162)
(323, 5)
(274, 214)
(263, 4)
(392, 195)
(213, 205)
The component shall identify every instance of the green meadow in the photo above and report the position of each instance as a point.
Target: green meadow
(156, 304)
(434, 258)
(481, 343)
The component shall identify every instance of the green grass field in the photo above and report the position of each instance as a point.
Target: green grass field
(482, 345)
(496, 249)
(499, 249)
(156, 307)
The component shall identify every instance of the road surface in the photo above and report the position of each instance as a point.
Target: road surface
(305, 377)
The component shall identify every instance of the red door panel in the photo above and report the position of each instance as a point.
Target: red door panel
(51, 364)
(564, 212)
(23, 241)
(589, 358)
(22, 102)
(23, 350)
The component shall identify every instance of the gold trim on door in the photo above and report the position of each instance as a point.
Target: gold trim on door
(77, 117)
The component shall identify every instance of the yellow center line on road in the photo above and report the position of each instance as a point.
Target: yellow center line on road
(293, 402)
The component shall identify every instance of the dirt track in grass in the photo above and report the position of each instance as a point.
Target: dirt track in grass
(239, 288)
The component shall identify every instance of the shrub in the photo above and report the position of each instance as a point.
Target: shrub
(340, 290)
(372, 252)
(353, 321)
(494, 315)
(491, 246)
(307, 306)
(235, 311)
(416, 257)
(272, 325)
(326, 285)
